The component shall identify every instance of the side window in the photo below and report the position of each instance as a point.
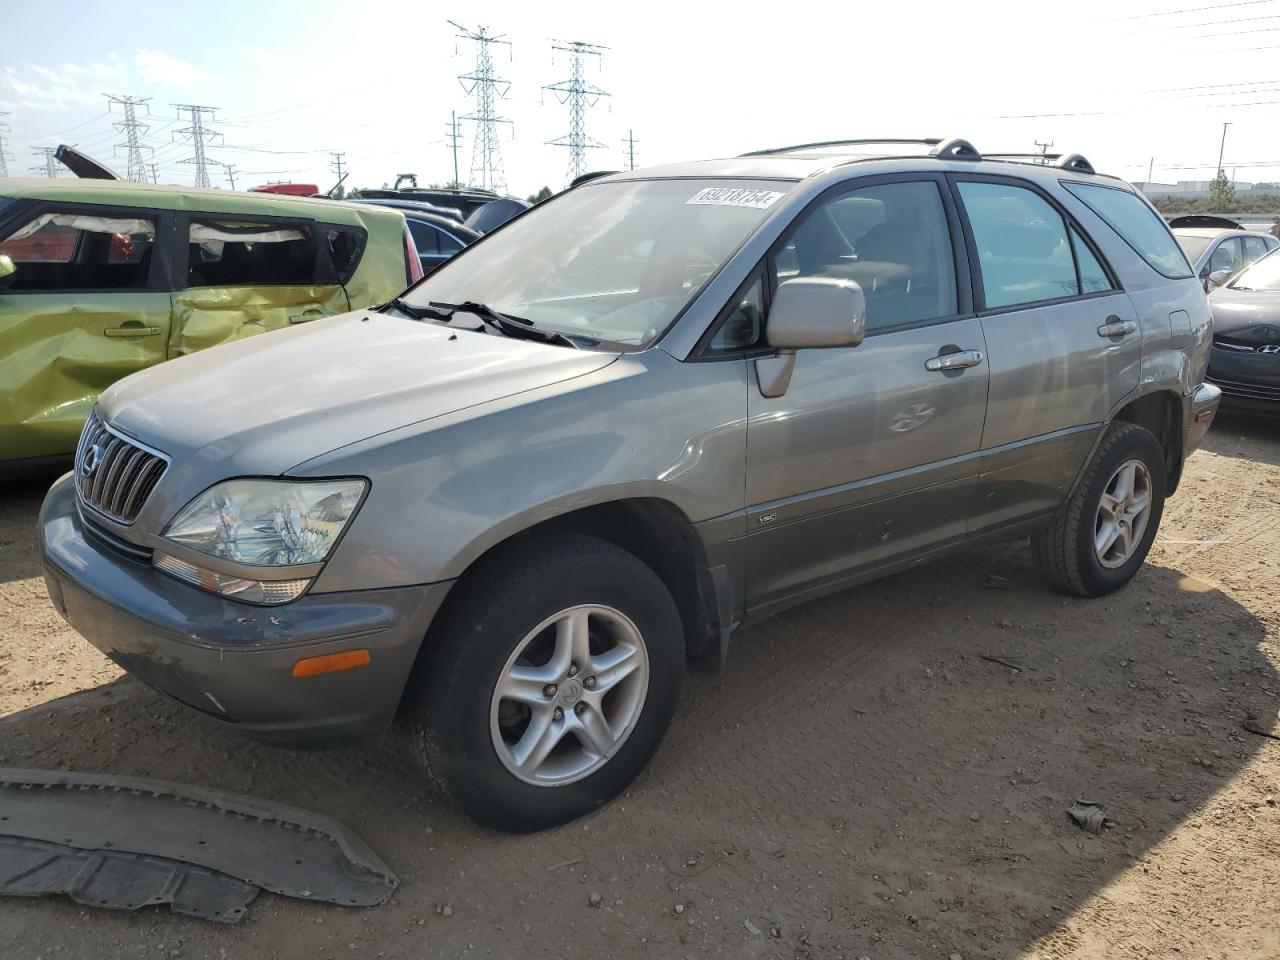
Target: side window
(1023, 251)
(1226, 256)
(57, 251)
(1254, 247)
(743, 326)
(892, 239)
(1093, 279)
(425, 238)
(345, 246)
(226, 253)
(1137, 224)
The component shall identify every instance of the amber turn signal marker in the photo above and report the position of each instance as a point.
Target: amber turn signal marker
(331, 663)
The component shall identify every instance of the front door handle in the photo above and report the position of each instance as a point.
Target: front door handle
(954, 361)
(131, 328)
(1115, 327)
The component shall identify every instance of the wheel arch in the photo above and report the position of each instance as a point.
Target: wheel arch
(1161, 412)
(654, 530)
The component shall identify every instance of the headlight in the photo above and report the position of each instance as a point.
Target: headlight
(267, 523)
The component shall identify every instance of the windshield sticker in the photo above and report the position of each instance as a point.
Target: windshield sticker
(736, 197)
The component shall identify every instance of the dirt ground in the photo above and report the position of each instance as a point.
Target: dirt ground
(862, 781)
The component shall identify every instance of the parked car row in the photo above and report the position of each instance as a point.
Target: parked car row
(1219, 248)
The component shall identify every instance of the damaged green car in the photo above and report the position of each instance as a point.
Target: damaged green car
(101, 278)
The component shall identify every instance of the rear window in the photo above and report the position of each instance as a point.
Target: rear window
(345, 245)
(68, 250)
(1138, 225)
(239, 253)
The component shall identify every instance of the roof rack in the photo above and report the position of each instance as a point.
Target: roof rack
(953, 149)
(926, 141)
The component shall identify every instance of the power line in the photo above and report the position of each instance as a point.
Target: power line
(486, 158)
(1174, 13)
(579, 95)
(631, 141)
(130, 126)
(197, 134)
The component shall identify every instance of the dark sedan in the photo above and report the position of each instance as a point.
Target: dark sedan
(1245, 361)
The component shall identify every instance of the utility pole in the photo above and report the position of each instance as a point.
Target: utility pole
(155, 178)
(579, 95)
(1044, 150)
(130, 127)
(1222, 146)
(5, 155)
(1151, 167)
(231, 174)
(454, 139)
(49, 155)
(198, 134)
(336, 165)
(486, 158)
(631, 141)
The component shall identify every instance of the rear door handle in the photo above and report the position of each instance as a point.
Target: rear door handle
(1115, 327)
(131, 329)
(306, 316)
(954, 361)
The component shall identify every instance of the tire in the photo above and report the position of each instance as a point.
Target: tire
(515, 607)
(1067, 552)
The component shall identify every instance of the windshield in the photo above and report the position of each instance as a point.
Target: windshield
(608, 261)
(1193, 246)
(1263, 275)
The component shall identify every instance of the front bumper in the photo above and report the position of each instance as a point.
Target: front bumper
(232, 661)
(1250, 382)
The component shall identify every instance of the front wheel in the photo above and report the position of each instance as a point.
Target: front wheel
(555, 676)
(1100, 537)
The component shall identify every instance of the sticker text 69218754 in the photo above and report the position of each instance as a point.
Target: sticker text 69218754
(736, 197)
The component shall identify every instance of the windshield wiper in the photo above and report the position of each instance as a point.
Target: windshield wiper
(418, 313)
(512, 326)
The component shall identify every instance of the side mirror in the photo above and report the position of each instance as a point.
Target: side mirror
(809, 312)
(1219, 277)
(8, 272)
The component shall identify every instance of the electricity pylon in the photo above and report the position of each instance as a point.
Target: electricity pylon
(130, 126)
(579, 95)
(198, 133)
(486, 157)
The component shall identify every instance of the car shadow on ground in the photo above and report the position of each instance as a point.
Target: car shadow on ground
(20, 499)
(884, 772)
(1251, 437)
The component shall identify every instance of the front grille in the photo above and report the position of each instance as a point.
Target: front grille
(1245, 391)
(115, 475)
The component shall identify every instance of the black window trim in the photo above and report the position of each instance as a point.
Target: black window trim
(310, 225)
(1070, 222)
(959, 258)
(161, 257)
(1068, 184)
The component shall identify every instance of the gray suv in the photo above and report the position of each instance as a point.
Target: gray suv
(511, 506)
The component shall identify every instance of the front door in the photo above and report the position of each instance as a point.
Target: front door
(87, 306)
(869, 458)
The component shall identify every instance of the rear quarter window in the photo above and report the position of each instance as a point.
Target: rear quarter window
(1137, 224)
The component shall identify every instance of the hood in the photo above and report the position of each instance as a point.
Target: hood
(269, 402)
(1246, 315)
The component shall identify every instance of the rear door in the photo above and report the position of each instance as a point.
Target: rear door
(89, 305)
(1063, 344)
(247, 275)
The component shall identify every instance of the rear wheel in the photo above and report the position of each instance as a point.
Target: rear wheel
(1100, 537)
(555, 676)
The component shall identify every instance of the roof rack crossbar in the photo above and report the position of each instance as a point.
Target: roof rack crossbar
(923, 141)
(1022, 156)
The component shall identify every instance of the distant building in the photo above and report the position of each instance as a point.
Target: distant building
(1200, 188)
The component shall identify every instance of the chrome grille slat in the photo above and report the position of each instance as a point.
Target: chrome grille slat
(115, 475)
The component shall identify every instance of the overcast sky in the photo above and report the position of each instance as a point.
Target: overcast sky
(1121, 83)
